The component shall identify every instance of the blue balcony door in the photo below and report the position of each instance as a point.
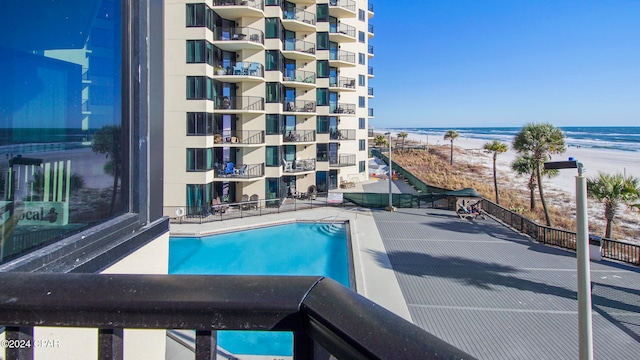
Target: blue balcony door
(290, 68)
(289, 40)
(333, 76)
(333, 101)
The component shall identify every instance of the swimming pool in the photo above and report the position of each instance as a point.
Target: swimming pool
(309, 249)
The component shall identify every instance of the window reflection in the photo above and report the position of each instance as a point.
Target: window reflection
(61, 160)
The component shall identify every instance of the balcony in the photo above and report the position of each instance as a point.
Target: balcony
(299, 20)
(299, 49)
(342, 8)
(342, 160)
(370, 91)
(370, 71)
(319, 311)
(344, 109)
(238, 38)
(339, 32)
(342, 83)
(299, 79)
(370, 112)
(370, 133)
(234, 104)
(299, 136)
(239, 137)
(340, 58)
(236, 9)
(299, 165)
(370, 30)
(237, 172)
(370, 51)
(370, 9)
(300, 106)
(240, 72)
(342, 134)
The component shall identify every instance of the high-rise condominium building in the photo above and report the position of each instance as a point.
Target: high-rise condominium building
(264, 97)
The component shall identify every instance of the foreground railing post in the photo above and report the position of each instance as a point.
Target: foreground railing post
(206, 345)
(21, 335)
(302, 346)
(110, 344)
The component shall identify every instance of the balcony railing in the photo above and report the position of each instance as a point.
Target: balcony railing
(319, 311)
(342, 55)
(344, 109)
(239, 137)
(342, 160)
(250, 3)
(238, 33)
(300, 15)
(239, 171)
(347, 4)
(370, 49)
(343, 82)
(370, 91)
(370, 112)
(248, 103)
(300, 106)
(341, 28)
(370, 7)
(242, 68)
(300, 76)
(370, 132)
(370, 70)
(370, 28)
(300, 46)
(299, 165)
(293, 136)
(342, 134)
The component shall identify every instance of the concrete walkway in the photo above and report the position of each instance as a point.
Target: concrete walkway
(498, 295)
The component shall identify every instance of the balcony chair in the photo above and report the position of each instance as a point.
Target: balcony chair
(346, 184)
(230, 169)
(253, 69)
(300, 165)
(254, 201)
(238, 68)
(287, 165)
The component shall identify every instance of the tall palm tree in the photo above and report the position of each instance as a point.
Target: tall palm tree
(451, 135)
(380, 140)
(613, 190)
(525, 165)
(496, 147)
(402, 135)
(540, 141)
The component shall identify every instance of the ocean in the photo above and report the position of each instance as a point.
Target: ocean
(625, 138)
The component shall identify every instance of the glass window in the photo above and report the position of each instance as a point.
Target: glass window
(272, 2)
(362, 124)
(199, 123)
(361, 166)
(361, 36)
(322, 12)
(361, 80)
(321, 181)
(272, 28)
(362, 144)
(322, 40)
(272, 156)
(361, 101)
(199, 159)
(272, 60)
(195, 15)
(322, 125)
(361, 15)
(322, 66)
(274, 124)
(361, 59)
(271, 188)
(321, 152)
(322, 97)
(273, 92)
(195, 51)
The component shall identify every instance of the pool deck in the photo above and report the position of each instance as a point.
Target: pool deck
(478, 285)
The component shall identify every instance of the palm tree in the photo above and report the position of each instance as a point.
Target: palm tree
(107, 141)
(612, 190)
(381, 140)
(540, 141)
(524, 165)
(402, 135)
(451, 135)
(496, 147)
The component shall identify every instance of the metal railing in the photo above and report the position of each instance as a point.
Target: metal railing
(242, 68)
(370, 6)
(299, 15)
(300, 165)
(342, 55)
(238, 33)
(370, 111)
(249, 103)
(292, 136)
(342, 108)
(370, 49)
(370, 28)
(299, 46)
(342, 160)
(319, 311)
(341, 28)
(343, 82)
(343, 134)
(370, 70)
(370, 133)
(300, 76)
(370, 91)
(250, 3)
(300, 106)
(347, 4)
(239, 137)
(239, 171)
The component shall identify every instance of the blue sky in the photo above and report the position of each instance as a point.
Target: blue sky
(486, 63)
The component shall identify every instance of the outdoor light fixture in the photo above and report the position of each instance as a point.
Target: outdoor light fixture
(582, 252)
(390, 207)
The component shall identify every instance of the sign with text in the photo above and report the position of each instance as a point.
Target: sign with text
(39, 213)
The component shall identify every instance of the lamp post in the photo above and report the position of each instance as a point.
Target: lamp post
(390, 206)
(582, 252)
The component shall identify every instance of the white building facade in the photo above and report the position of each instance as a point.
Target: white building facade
(263, 97)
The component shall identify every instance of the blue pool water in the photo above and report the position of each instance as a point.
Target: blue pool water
(293, 249)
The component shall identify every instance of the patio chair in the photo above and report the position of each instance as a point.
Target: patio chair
(220, 206)
(242, 171)
(238, 68)
(299, 164)
(312, 192)
(230, 169)
(287, 165)
(293, 193)
(346, 184)
(244, 204)
(253, 69)
(254, 201)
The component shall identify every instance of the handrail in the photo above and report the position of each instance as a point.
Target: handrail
(314, 308)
